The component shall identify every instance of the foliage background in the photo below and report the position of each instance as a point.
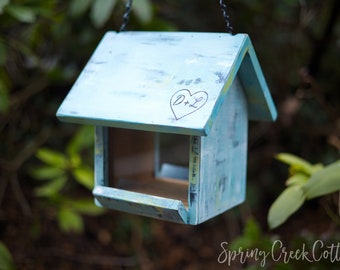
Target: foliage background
(43, 47)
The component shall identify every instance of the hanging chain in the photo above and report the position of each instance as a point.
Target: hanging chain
(226, 16)
(126, 15)
(223, 5)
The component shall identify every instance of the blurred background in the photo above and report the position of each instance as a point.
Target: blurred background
(47, 216)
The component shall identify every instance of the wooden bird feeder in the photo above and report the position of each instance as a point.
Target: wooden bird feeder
(171, 111)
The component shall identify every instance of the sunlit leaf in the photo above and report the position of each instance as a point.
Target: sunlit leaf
(52, 157)
(86, 207)
(84, 176)
(75, 160)
(84, 138)
(6, 260)
(52, 187)
(317, 167)
(69, 220)
(47, 172)
(143, 10)
(324, 182)
(79, 7)
(21, 13)
(3, 3)
(296, 163)
(289, 201)
(297, 179)
(101, 11)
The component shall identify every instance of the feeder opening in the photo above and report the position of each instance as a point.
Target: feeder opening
(149, 163)
(172, 156)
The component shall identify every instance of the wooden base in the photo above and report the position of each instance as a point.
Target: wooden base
(162, 187)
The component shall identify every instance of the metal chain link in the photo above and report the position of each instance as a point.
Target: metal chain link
(126, 15)
(226, 16)
(223, 5)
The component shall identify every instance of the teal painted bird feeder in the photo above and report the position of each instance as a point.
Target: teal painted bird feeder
(171, 111)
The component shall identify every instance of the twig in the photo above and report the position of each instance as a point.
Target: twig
(26, 152)
(310, 81)
(3, 186)
(11, 168)
(320, 47)
(26, 209)
(36, 85)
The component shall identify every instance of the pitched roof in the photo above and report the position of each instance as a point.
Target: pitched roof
(166, 81)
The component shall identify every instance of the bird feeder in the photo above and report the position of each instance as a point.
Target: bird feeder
(171, 111)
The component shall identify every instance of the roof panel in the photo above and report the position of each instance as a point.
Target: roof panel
(157, 81)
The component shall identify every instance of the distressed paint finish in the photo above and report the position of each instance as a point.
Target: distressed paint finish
(181, 76)
(203, 85)
(141, 204)
(101, 156)
(223, 157)
(217, 171)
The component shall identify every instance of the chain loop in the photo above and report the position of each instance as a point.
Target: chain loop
(223, 6)
(126, 15)
(226, 16)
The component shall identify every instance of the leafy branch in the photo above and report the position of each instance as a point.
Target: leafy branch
(101, 11)
(6, 260)
(58, 172)
(306, 182)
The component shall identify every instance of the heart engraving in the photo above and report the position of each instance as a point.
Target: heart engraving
(183, 103)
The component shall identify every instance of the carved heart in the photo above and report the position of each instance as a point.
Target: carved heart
(183, 103)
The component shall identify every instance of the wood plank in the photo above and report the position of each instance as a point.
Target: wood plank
(141, 204)
(162, 187)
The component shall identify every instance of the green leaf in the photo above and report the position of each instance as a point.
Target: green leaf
(323, 182)
(84, 138)
(70, 221)
(84, 176)
(6, 261)
(75, 160)
(51, 188)
(86, 207)
(297, 179)
(143, 10)
(289, 201)
(21, 13)
(52, 158)
(101, 11)
(296, 163)
(3, 3)
(79, 7)
(317, 167)
(46, 172)
(250, 236)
